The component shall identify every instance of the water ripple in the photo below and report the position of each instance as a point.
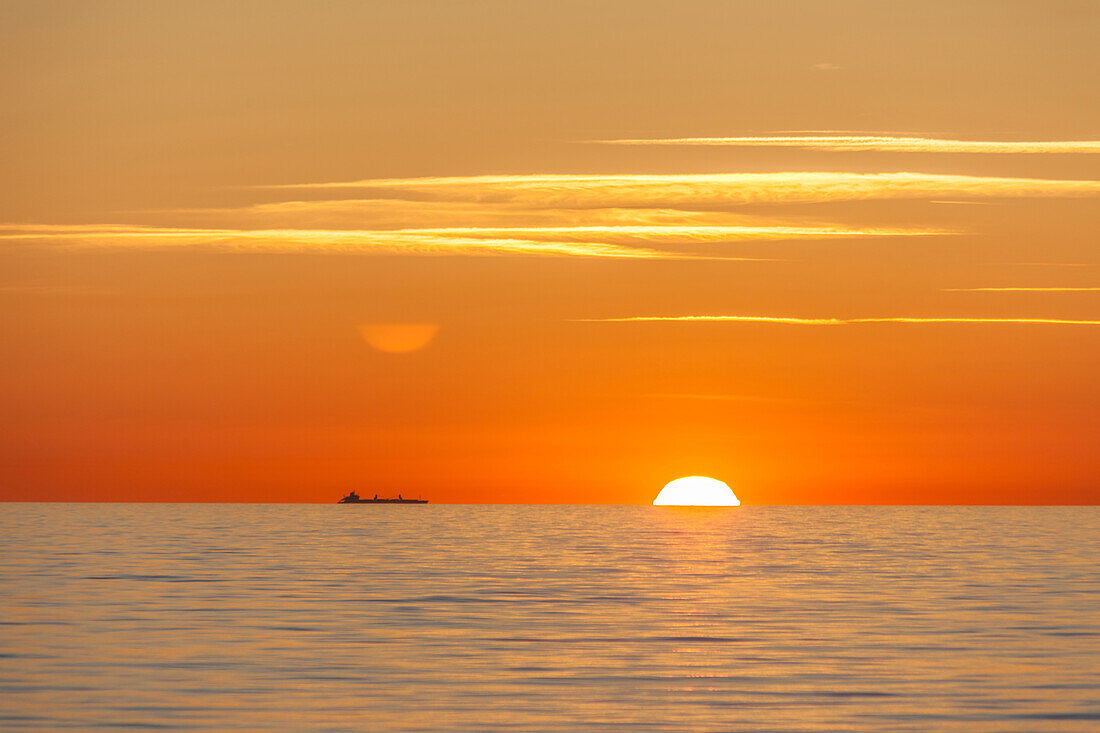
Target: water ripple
(511, 618)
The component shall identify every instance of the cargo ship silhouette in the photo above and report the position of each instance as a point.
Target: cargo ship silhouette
(353, 498)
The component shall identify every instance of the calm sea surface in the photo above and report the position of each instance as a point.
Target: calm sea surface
(563, 618)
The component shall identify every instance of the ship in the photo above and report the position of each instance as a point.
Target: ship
(354, 498)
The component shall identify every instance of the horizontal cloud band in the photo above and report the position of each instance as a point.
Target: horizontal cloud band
(584, 241)
(829, 321)
(884, 143)
(702, 189)
(1020, 290)
(629, 216)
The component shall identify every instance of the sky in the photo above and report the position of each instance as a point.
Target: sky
(550, 252)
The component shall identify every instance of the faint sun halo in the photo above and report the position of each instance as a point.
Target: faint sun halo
(696, 491)
(399, 338)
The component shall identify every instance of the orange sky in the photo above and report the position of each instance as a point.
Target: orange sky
(274, 250)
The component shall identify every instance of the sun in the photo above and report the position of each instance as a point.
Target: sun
(696, 491)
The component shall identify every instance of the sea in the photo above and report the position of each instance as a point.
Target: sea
(278, 617)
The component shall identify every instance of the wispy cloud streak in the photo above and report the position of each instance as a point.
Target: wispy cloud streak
(627, 216)
(1020, 290)
(703, 189)
(884, 143)
(830, 321)
(623, 241)
(326, 241)
(682, 233)
(417, 213)
(719, 397)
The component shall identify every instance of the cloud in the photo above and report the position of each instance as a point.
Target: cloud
(604, 240)
(426, 242)
(719, 397)
(885, 143)
(1053, 264)
(1020, 290)
(672, 233)
(831, 321)
(964, 203)
(626, 216)
(418, 213)
(688, 191)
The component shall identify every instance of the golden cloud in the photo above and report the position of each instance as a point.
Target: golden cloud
(830, 321)
(629, 216)
(677, 191)
(1020, 290)
(623, 241)
(884, 143)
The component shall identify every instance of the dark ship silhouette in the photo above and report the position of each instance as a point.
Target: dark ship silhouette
(353, 498)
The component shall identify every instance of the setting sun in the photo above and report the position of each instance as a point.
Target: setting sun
(696, 491)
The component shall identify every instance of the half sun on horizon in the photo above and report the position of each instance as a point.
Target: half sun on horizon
(696, 491)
